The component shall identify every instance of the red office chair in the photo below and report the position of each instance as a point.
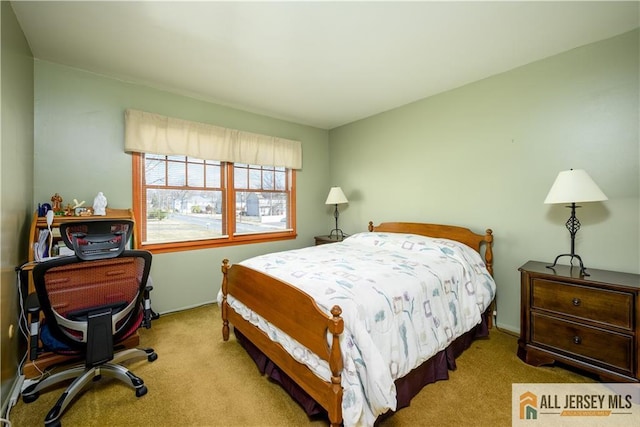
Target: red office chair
(90, 307)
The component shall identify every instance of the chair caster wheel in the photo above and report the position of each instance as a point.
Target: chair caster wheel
(152, 357)
(28, 398)
(141, 391)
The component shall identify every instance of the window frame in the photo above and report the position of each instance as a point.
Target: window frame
(229, 203)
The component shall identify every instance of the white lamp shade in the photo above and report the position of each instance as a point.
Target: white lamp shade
(574, 186)
(336, 197)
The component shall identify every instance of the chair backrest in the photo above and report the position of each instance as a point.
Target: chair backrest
(70, 290)
(97, 239)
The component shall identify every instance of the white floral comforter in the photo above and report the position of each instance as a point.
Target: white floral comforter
(404, 298)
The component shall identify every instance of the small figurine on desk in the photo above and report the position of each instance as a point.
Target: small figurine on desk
(77, 204)
(57, 203)
(77, 207)
(43, 209)
(100, 204)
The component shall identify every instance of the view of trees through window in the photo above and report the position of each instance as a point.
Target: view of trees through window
(188, 199)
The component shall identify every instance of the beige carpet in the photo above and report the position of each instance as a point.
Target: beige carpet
(199, 380)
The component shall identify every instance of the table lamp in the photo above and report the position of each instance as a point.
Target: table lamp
(336, 197)
(573, 186)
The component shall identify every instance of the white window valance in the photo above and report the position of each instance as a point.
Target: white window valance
(153, 133)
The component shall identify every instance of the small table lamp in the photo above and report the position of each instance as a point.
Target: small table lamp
(574, 186)
(336, 197)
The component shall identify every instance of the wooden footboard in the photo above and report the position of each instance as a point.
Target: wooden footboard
(295, 312)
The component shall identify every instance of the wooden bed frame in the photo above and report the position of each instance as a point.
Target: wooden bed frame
(296, 313)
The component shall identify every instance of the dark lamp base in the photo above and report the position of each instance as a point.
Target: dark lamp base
(338, 233)
(583, 270)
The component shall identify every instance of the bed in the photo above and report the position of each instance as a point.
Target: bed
(369, 360)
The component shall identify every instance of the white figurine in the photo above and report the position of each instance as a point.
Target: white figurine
(100, 204)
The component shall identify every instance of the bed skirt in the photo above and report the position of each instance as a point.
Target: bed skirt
(435, 369)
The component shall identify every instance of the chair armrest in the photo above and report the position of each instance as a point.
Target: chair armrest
(33, 308)
(32, 304)
(148, 312)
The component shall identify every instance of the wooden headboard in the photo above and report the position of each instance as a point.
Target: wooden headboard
(459, 234)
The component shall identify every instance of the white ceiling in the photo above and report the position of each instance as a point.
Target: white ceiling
(321, 63)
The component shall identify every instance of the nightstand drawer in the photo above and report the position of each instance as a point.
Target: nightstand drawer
(589, 321)
(608, 348)
(598, 305)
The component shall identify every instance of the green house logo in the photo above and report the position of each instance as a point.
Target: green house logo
(528, 406)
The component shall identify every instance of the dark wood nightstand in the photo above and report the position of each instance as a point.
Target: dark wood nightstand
(590, 322)
(322, 240)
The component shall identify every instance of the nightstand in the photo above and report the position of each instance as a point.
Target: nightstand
(322, 240)
(590, 322)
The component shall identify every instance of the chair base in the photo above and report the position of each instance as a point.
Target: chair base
(33, 369)
(84, 375)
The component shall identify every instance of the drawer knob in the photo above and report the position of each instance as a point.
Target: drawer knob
(576, 302)
(577, 340)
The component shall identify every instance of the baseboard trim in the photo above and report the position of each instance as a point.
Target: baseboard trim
(508, 329)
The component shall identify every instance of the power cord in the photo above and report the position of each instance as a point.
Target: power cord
(23, 322)
(23, 326)
(494, 314)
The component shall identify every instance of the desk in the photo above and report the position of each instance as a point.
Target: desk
(32, 369)
(40, 223)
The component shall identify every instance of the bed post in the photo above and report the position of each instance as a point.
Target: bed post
(336, 327)
(488, 260)
(488, 253)
(223, 308)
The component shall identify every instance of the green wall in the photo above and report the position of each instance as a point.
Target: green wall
(16, 180)
(486, 154)
(483, 155)
(79, 141)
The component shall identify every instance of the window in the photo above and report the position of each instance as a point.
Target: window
(183, 203)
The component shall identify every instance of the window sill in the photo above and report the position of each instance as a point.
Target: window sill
(159, 248)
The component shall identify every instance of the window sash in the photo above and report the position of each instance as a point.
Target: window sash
(226, 208)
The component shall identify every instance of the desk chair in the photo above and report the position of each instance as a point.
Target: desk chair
(99, 239)
(91, 303)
